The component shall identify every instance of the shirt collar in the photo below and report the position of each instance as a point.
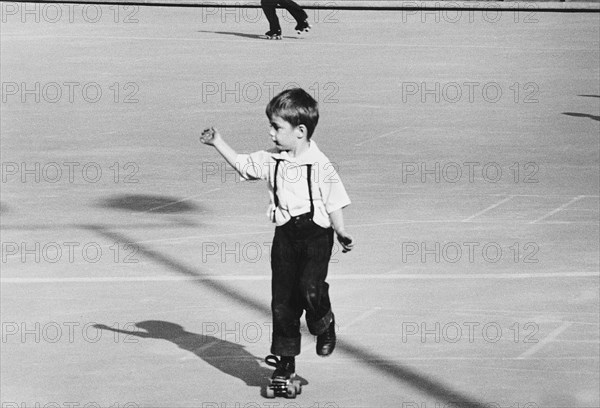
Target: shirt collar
(310, 156)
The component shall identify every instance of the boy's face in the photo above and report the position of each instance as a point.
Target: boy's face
(284, 135)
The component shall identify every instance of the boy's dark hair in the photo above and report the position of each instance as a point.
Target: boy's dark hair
(297, 107)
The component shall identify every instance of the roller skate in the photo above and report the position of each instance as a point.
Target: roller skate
(283, 382)
(273, 35)
(304, 26)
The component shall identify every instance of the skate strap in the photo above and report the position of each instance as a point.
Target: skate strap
(272, 360)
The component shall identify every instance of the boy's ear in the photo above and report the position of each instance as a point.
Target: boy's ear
(303, 131)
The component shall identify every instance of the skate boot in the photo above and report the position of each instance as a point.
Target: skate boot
(303, 26)
(283, 382)
(326, 340)
(273, 35)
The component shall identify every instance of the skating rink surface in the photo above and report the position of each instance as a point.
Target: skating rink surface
(135, 265)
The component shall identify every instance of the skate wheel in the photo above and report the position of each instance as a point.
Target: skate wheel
(291, 391)
(270, 392)
(298, 387)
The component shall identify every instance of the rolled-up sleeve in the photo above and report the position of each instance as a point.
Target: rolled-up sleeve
(253, 166)
(333, 192)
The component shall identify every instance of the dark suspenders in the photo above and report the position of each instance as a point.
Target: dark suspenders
(312, 205)
(277, 161)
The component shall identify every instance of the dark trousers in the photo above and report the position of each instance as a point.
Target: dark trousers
(269, 7)
(299, 261)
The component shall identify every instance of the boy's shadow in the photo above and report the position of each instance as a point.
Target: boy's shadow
(228, 357)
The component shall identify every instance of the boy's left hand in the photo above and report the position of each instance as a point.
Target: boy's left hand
(346, 241)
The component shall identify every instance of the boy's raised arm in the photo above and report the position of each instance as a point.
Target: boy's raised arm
(213, 138)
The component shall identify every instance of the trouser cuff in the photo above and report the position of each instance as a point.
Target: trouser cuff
(320, 326)
(285, 346)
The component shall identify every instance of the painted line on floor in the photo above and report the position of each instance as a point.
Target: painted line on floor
(548, 339)
(558, 209)
(491, 207)
(363, 316)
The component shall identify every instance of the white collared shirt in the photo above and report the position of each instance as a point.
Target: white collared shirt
(328, 192)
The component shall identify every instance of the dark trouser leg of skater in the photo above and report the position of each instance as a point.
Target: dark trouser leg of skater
(313, 288)
(269, 8)
(294, 9)
(286, 304)
(315, 291)
(299, 261)
(298, 13)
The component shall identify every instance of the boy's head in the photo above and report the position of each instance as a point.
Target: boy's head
(297, 107)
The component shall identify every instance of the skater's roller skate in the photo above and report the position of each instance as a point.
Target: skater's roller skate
(304, 26)
(284, 381)
(273, 35)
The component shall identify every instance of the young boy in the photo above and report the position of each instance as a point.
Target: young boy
(295, 10)
(307, 198)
